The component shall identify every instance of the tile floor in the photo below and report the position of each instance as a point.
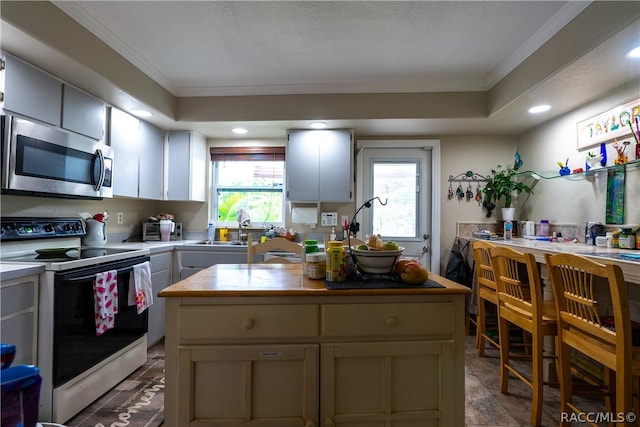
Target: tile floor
(485, 405)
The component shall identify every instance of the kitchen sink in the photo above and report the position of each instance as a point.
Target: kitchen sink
(220, 243)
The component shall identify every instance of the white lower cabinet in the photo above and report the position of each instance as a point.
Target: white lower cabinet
(381, 384)
(19, 317)
(261, 385)
(306, 362)
(161, 277)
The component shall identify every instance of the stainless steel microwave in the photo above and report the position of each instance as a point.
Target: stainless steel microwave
(42, 160)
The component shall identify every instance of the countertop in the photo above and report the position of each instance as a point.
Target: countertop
(630, 268)
(14, 271)
(243, 280)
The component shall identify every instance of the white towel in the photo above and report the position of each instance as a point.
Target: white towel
(140, 291)
(105, 296)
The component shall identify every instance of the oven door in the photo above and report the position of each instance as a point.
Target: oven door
(76, 347)
(43, 160)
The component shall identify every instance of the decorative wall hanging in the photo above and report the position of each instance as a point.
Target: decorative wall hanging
(616, 123)
(615, 194)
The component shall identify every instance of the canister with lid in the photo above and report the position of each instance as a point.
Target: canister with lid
(309, 246)
(316, 265)
(336, 262)
(626, 240)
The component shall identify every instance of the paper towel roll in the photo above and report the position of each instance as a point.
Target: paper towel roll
(304, 215)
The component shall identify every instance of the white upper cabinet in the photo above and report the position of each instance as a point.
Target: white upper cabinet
(186, 156)
(123, 138)
(31, 92)
(151, 162)
(82, 113)
(319, 165)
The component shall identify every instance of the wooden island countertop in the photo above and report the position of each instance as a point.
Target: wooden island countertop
(260, 280)
(262, 345)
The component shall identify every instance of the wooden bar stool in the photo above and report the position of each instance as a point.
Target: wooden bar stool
(520, 303)
(487, 292)
(581, 327)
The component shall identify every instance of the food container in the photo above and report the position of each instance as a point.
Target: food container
(336, 266)
(626, 239)
(316, 265)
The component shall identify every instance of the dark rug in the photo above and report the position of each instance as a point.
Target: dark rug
(138, 401)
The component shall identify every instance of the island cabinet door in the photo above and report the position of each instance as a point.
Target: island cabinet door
(261, 385)
(387, 384)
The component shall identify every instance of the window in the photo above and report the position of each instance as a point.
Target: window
(397, 183)
(249, 178)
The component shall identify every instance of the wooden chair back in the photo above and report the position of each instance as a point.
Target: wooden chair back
(354, 241)
(272, 245)
(581, 324)
(484, 268)
(580, 316)
(518, 284)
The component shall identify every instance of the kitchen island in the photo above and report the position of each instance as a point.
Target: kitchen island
(262, 345)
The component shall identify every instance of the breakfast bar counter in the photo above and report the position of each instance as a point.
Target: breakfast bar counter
(262, 345)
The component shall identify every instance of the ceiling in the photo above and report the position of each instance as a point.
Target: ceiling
(215, 49)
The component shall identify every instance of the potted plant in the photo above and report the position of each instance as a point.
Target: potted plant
(502, 185)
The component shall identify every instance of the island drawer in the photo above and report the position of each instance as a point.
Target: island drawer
(248, 321)
(394, 319)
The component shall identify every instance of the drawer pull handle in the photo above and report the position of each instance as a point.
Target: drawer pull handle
(248, 323)
(392, 321)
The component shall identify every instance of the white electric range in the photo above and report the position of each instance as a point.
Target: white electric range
(76, 365)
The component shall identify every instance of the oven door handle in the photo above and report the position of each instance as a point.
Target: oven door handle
(93, 276)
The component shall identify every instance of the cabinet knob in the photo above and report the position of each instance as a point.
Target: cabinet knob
(248, 323)
(392, 321)
(329, 423)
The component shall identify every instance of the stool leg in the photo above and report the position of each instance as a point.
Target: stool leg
(537, 380)
(503, 333)
(480, 327)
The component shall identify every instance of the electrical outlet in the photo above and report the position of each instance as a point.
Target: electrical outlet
(120, 218)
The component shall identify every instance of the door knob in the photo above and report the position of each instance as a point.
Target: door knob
(426, 236)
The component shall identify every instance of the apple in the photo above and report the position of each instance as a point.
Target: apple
(391, 246)
(362, 247)
(411, 271)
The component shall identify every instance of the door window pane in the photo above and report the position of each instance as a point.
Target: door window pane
(397, 182)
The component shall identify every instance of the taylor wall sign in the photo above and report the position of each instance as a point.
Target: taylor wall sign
(616, 123)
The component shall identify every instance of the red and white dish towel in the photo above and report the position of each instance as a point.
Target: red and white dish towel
(105, 295)
(140, 291)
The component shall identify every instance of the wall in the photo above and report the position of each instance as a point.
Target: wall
(135, 211)
(460, 154)
(575, 200)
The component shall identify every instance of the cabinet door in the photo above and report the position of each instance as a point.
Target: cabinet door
(151, 162)
(82, 113)
(267, 385)
(19, 326)
(186, 166)
(320, 165)
(387, 384)
(124, 140)
(336, 171)
(303, 166)
(161, 268)
(31, 92)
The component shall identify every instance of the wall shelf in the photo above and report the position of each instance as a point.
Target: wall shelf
(588, 175)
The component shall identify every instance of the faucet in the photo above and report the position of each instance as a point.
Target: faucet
(242, 232)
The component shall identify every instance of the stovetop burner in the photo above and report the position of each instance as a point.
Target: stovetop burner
(65, 254)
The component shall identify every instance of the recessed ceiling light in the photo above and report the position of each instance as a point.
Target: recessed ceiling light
(140, 113)
(239, 131)
(633, 53)
(318, 125)
(539, 109)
